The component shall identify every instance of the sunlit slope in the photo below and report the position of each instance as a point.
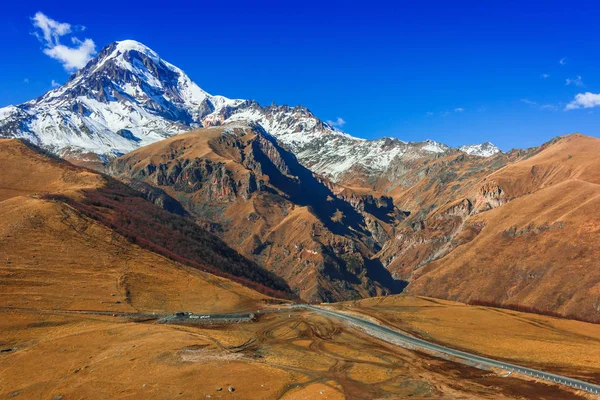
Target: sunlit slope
(57, 258)
(240, 184)
(538, 250)
(566, 347)
(61, 250)
(25, 171)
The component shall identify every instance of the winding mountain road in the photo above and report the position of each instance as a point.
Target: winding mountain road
(395, 336)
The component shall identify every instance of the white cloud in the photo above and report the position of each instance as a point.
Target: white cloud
(338, 123)
(545, 76)
(459, 109)
(26, 80)
(73, 58)
(562, 61)
(575, 81)
(55, 84)
(429, 113)
(584, 100)
(50, 31)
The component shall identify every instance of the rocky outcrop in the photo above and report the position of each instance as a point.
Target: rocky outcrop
(237, 182)
(463, 208)
(489, 196)
(192, 176)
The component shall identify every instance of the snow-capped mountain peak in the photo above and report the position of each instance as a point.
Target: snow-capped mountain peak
(486, 149)
(128, 96)
(435, 147)
(124, 98)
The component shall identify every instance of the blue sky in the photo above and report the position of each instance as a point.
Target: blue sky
(457, 72)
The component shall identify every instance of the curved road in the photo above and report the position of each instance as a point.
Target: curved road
(392, 335)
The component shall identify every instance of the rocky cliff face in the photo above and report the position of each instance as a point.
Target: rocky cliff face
(240, 184)
(440, 195)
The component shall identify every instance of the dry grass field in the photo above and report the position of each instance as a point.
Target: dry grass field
(567, 347)
(290, 356)
(54, 258)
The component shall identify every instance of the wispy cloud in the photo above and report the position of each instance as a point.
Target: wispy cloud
(563, 61)
(545, 76)
(49, 32)
(26, 80)
(446, 113)
(530, 102)
(338, 123)
(544, 107)
(54, 84)
(584, 100)
(577, 81)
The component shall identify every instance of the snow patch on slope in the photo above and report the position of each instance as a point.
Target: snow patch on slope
(435, 147)
(486, 149)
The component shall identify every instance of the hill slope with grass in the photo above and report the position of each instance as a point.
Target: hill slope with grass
(538, 246)
(73, 239)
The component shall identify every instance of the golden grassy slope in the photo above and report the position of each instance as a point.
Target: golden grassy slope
(570, 157)
(26, 172)
(538, 250)
(563, 346)
(301, 356)
(52, 256)
(59, 259)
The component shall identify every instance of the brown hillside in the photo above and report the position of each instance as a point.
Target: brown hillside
(540, 249)
(438, 194)
(59, 192)
(32, 172)
(241, 185)
(571, 157)
(53, 257)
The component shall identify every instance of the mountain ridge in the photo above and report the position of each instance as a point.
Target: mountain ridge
(242, 186)
(128, 97)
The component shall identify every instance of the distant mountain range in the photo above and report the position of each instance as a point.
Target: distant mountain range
(128, 97)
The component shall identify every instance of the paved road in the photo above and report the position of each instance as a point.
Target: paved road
(392, 335)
